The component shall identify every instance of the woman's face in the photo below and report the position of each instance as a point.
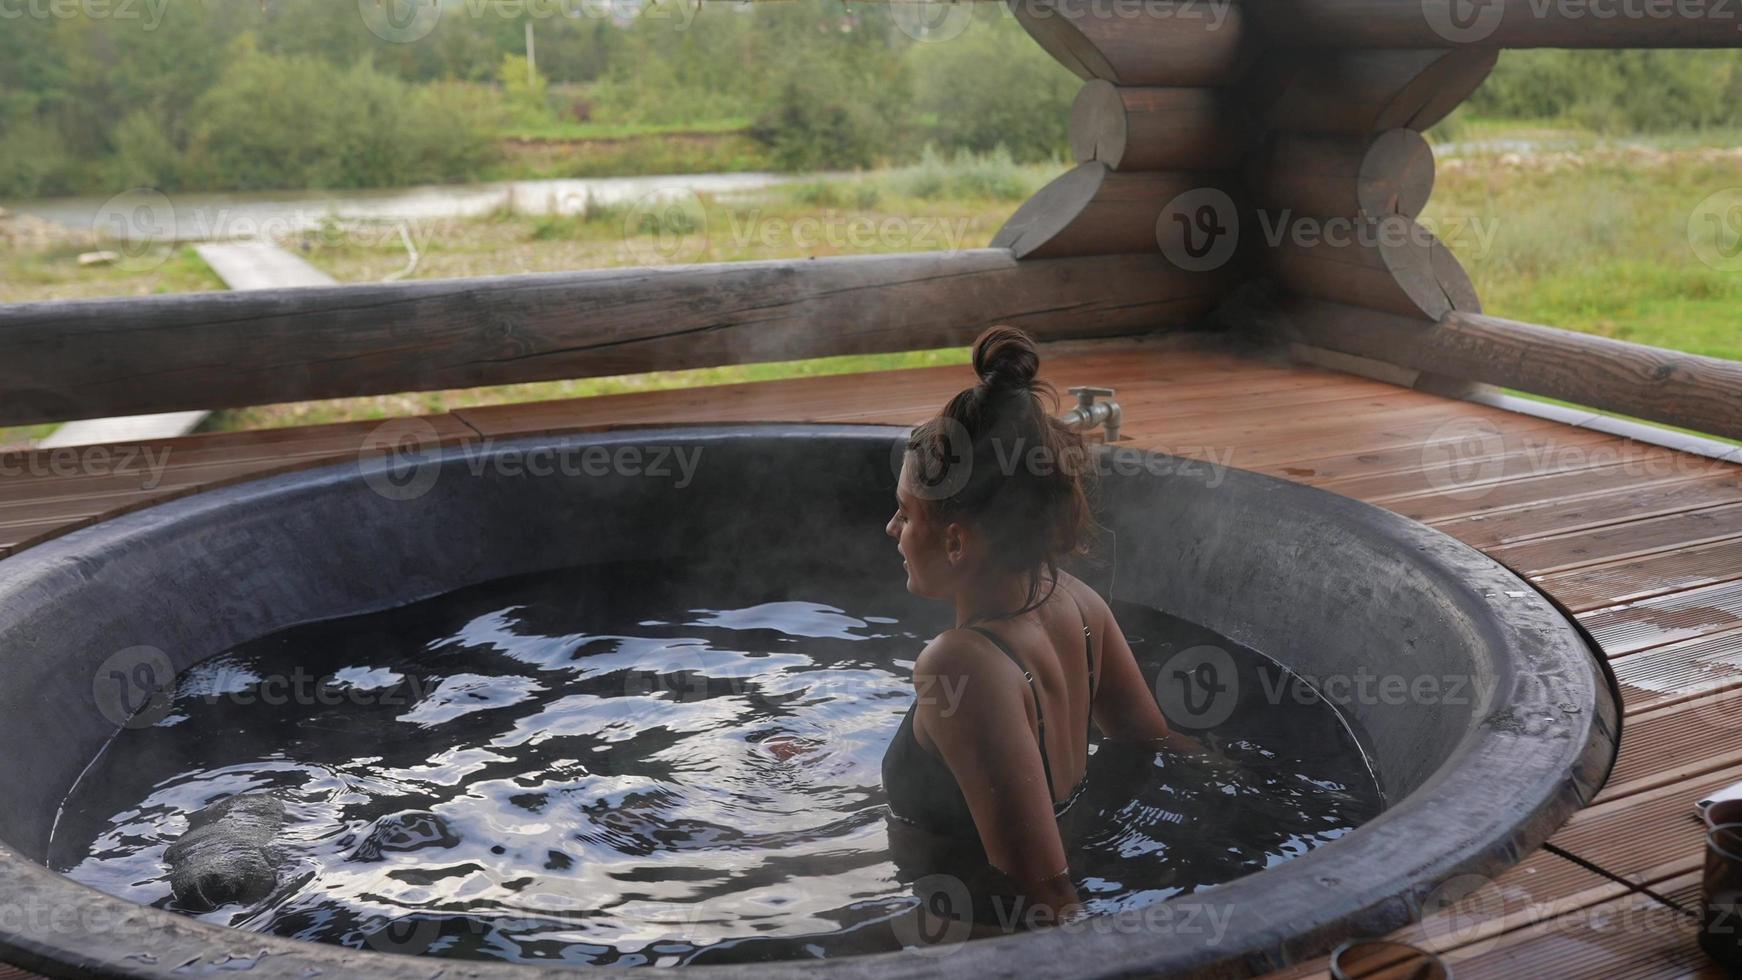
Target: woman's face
(931, 552)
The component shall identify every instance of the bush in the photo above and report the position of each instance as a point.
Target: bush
(593, 213)
(277, 121)
(526, 94)
(841, 93)
(966, 176)
(453, 135)
(1616, 91)
(993, 176)
(992, 87)
(859, 194)
(145, 155)
(824, 119)
(32, 159)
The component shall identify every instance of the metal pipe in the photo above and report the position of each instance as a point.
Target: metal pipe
(1089, 413)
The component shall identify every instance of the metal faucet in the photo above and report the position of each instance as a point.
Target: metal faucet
(1090, 413)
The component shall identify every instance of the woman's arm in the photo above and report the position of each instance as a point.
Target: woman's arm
(986, 737)
(1125, 708)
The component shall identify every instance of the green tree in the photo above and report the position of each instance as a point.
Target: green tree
(146, 155)
(525, 91)
(993, 86)
(841, 92)
(1616, 91)
(293, 121)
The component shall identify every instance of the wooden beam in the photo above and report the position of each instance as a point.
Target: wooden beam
(1143, 43)
(1327, 176)
(1665, 386)
(93, 358)
(1500, 23)
(1392, 264)
(1157, 128)
(1090, 210)
(1359, 93)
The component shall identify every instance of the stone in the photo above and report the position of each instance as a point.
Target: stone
(227, 855)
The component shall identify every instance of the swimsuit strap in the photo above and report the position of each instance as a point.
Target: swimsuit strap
(1089, 655)
(1039, 715)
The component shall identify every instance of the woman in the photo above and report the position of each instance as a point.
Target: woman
(995, 747)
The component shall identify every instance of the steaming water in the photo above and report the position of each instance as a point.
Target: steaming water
(596, 767)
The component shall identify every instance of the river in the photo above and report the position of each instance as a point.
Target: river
(208, 217)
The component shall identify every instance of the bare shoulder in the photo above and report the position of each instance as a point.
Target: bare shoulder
(963, 653)
(1095, 608)
(952, 652)
(950, 661)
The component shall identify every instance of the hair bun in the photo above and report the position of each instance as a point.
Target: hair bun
(1005, 357)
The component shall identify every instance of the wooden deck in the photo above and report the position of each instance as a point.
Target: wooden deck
(1642, 543)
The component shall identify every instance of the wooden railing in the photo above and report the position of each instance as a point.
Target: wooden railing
(1192, 120)
(70, 360)
(1674, 388)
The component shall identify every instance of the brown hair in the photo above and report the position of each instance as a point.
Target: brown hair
(978, 462)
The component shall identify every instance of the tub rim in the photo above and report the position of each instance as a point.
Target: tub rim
(1372, 881)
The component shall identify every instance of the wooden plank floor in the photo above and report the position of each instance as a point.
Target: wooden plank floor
(1643, 544)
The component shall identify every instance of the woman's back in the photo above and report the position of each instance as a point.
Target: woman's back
(996, 742)
(1065, 653)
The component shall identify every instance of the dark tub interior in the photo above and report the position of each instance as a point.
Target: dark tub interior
(1516, 732)
(623, 764)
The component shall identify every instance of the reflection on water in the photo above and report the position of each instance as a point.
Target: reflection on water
(591, 767)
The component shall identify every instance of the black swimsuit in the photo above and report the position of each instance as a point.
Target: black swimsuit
(921, 788)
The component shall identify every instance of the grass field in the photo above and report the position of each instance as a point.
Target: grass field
(1609, 239)
(1605, 240)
